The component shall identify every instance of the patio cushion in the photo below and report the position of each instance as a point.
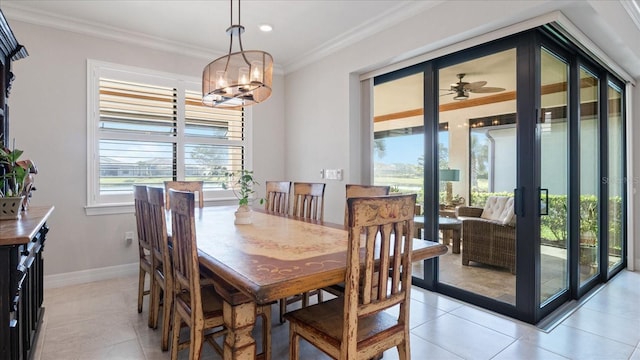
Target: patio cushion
(499, 209)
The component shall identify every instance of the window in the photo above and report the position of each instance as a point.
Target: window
(147, 127)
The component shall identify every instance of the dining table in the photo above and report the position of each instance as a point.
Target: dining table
(274, 257)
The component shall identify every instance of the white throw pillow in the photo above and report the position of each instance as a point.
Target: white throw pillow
(499, 209)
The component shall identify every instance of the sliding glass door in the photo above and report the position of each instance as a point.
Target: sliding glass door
(477, 102)
(553, 151)
(615, 179)
(589, 180)
(398, 139)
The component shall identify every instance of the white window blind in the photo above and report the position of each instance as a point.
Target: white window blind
(146, 128)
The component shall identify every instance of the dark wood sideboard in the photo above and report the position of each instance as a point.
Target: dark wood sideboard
(21, 281)
(21, 241)
(10, 50)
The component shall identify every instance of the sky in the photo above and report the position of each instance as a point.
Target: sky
(405, 149)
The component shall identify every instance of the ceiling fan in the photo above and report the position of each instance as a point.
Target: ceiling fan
(461, 89)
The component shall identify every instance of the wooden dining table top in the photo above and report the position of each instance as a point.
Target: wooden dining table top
(278, 255)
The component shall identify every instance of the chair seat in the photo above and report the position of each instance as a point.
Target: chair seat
(327, 319)
(211, 302)
(337, 289)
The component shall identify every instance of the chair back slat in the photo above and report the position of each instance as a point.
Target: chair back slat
(357, 190)
(159, 241)
(278, 196)
(191, 186)
(308, 200)
(185, 250)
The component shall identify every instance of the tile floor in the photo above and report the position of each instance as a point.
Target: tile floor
(99, 321)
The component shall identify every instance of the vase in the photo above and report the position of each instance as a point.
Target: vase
(10, 207)
(243, 215)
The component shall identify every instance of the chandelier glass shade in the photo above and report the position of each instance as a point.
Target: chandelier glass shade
(240, 78)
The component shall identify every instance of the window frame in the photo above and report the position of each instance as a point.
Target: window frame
(97, 204)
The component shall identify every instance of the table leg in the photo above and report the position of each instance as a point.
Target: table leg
(239, 320)
(447, 237)
(456, 241)
(417, 227)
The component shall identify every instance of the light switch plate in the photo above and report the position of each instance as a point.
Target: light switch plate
(333, 174)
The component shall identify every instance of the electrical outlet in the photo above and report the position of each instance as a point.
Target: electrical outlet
(128, 238)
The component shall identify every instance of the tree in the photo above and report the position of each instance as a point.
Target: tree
(443, 156)
(479, 159)
(211, 159)
(379, 147)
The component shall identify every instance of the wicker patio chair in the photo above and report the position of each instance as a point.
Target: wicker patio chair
(489, 233)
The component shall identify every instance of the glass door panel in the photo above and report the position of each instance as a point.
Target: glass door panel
(554, 154)
(589, 176)
(398, 141)
(616, 176)
(477, 170)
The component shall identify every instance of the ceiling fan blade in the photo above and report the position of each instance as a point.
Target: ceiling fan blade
(449, 93)
(487, 89)
(474, 85)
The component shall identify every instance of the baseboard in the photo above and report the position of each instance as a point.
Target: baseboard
(85, 276)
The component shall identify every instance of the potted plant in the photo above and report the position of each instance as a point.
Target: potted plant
(242, 182)
(17, 186)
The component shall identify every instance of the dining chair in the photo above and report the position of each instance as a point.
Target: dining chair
(141, 210)
(277, 198)
(357, 326)
(308, 203)
(192, 186)
(163, 272)
(195, 306)
(196, 303)
(308, 200)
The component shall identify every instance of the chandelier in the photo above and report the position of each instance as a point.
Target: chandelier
(240, 78)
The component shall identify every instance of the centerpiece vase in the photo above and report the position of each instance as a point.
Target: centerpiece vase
(243, 215)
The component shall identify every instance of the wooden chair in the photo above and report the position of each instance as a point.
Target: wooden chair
(308, 200)
(354, 190)
(141, 204)
(278, 196)
(356, 326)
(191, 186)
(163, 272)
(199, 308)
(196, 303)
(309, 204)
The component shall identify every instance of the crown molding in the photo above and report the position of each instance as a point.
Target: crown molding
(15, 11)
(30, 15)
(633, 9)
(384, 20)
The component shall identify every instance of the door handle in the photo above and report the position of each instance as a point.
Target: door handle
(544, 202)
(518, 202)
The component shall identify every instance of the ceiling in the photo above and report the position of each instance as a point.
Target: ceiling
(197, 27)
(304, 30)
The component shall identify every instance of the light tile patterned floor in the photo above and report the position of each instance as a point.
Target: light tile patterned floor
(99, 321)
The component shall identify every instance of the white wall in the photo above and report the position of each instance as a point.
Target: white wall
(48, 121)
(321, 112)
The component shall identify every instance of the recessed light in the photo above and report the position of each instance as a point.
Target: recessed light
(266, 27)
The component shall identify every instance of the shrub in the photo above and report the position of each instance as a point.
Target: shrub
(554, 225)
